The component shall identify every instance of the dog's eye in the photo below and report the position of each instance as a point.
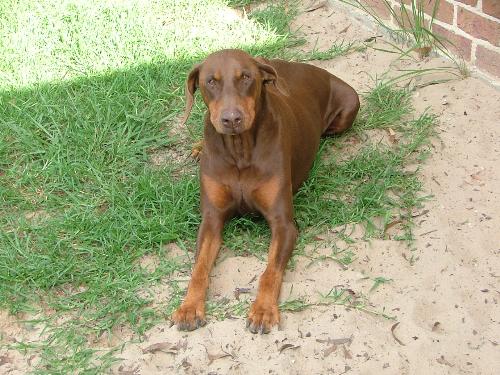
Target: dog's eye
(245, 77)
(212, 82)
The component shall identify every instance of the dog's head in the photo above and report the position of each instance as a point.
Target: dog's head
(231, 83)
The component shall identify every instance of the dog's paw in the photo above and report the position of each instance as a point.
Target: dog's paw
(262, 317)
(189, 316)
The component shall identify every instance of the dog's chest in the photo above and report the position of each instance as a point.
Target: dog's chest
(243, 187)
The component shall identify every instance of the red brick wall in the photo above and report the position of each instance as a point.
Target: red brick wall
(473, 26)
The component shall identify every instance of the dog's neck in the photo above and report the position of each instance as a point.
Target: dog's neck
(239, 148)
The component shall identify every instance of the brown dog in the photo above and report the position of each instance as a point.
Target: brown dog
(262, 132)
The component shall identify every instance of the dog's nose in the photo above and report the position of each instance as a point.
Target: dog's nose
(231, 118)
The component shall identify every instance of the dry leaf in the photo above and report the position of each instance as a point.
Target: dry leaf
(316, 6)
(475, 176)
(347, 353)
(443, 361)
(238, 291)
(391, 224)
(213, 357)
(392, 136)
(122, 371)
(165, 347)
(423, 51)
(288, 346)
(341, 341)
(435, 326)
(5, 359)
(329, 350)
(185, 363)
(393, 335)
(344, 29)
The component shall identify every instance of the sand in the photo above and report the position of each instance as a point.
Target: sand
(445, 303)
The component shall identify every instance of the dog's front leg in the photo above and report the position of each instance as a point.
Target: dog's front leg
(277, 208)
(191, 314)
(216, 204)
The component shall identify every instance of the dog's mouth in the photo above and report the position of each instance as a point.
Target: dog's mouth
(233, 126)
(231, 129)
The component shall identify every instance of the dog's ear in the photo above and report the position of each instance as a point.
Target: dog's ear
(270, 76)
(191, 85)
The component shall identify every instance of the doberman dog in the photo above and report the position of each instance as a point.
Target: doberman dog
(262, 132)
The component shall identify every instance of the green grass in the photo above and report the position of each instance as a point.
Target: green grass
(89, 91)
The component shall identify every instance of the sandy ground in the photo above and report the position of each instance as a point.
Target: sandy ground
(446, 302)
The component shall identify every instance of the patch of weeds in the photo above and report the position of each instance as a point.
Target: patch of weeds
(276, 16)
(241, 3)
(294, 305)
(223, 308)
(336, 296)
(415, 29)
(383, 106)
(337, 49)
(377, 281)
(175, 298)
(242, 231)
(411, 25)
(343, 258)
(349, 299)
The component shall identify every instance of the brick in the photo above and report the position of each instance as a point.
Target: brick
(457, 44)
(478, 26)
(469, 2)
(492, 7)
(444, 12)
(379, 7)
(488, 60)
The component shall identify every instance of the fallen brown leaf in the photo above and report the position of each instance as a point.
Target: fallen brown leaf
(435, 326)
(394, 335)
(424, 212)
(345, 29)
(475, 176)
(443, 361)
(316, 6)
(329, 350)
(122, 371)
(391, 224)
(392, 136)
(165, 347)
(288, 346)
(185, 363)
(341, 341)
(347, 353)
(423, 51)
(213, 357)
(238, 291)
(5, 359)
